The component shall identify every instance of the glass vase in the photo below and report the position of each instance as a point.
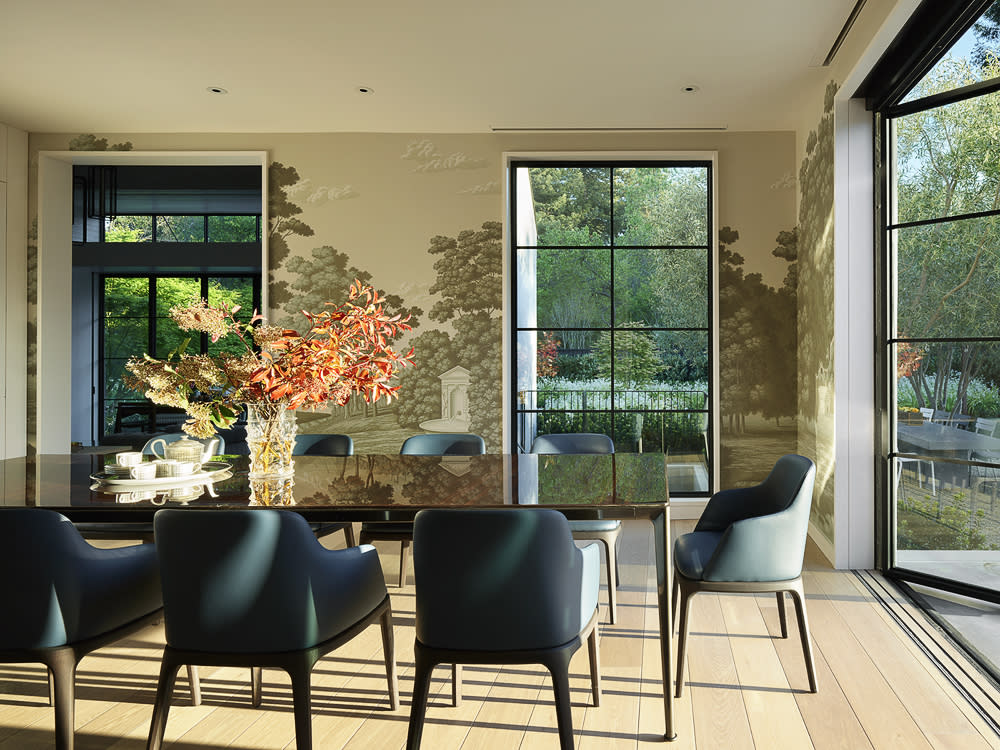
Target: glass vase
(271, 429)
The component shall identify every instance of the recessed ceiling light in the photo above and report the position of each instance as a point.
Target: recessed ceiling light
(366, 90)
(216, 90)
(690, 89)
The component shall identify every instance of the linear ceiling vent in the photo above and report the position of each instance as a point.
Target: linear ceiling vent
(843, 33)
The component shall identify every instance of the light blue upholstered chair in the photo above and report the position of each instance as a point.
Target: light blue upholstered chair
(605, 532)
(502, 586)
(750, 540)
(327, 444)
(64, 598)
(254, 588)
(429, 444)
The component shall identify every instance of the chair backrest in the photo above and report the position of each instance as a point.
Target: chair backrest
(50, 569)
(770, 550)
(573, 442)
(496, 579)
(237, 581)
(323, 445)
(986, 426)
(443, 444)
(172, 437)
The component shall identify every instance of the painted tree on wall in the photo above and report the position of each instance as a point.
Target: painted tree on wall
(469, 281)
(757, 335)
(282, 223)
(323, 277)
(816, 250)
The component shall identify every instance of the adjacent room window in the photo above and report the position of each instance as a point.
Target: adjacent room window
(612, 296)
(190, 228)
(135, 316)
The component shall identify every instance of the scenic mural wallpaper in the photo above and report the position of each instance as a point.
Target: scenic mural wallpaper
(420, 217)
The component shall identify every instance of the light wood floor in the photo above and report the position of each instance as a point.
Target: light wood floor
(746, 689)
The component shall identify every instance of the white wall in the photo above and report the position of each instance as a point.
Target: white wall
(13, 285)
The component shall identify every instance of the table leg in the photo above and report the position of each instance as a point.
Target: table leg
(661, 541)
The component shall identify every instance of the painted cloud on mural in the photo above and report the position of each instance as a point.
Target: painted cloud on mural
(304, 189)
(429, 159)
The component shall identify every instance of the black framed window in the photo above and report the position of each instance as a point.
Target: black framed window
(612, 305)
(936, 95)
(181, 228)
(134, 310)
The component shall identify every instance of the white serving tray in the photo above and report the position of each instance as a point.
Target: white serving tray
(210, 472)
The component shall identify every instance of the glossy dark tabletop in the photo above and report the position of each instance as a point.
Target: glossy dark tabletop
(360, 487)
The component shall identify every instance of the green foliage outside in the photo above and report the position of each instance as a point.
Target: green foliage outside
(180, 228)
(948, 164)
(929, 524)
(127, 323)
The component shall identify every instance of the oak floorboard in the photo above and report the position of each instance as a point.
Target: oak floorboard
(775, 720)
(828, 714)
(885, 719)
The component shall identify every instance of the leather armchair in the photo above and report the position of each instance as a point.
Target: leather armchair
(254, 588)
(502, 586)
(750, 540)
(65, 598)
(605, 532)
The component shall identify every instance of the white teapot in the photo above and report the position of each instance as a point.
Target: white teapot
(185, 449)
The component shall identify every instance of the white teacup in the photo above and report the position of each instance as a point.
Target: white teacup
(128, 458)
(143, 471)
(180, 468)
(163, 466)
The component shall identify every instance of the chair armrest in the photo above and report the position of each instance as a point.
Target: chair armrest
(590, 581)
(763, 548)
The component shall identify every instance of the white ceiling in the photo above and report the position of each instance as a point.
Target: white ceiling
(125, 66)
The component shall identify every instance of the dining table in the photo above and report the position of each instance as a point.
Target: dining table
(369, 488)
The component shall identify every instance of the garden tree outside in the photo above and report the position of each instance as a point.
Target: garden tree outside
(948, 164)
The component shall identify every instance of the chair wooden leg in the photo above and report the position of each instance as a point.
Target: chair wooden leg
(161, 707)
(610, 563)
(62, 666)
(194, 682)
(256, 686)
(674, 601)
(595, 665)
(558, 665)
(685, 606)
(404, 561)
(456, 685)
(349, 537)
(618, 576)
(423, 666)
(799, 599)
(389, 654)
(301, 676)
(782, 621)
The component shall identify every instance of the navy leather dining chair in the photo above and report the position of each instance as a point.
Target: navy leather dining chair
(605, 532)
(750, 539)
(327, 444)
(428, 444)
(323, 444)
(502, 586)
(254, 588)
(64, 598)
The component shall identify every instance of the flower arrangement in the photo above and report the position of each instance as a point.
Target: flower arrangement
(344, 351)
